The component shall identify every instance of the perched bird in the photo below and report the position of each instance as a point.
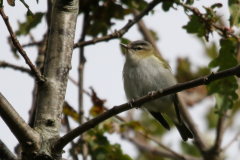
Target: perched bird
(146, 71)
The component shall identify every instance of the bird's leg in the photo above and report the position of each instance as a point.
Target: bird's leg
(130, 103)
(150, 94)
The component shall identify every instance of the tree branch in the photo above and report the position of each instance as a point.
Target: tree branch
(140, 101)
(5, 153)
(31, 44)
(121, 32)
(220, 131)
(37, 74)
(224, 31)
(27, 137)
(4, 64)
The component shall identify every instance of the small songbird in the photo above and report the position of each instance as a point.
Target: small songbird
(146, 71)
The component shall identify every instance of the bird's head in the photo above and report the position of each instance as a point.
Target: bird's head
(138, 49)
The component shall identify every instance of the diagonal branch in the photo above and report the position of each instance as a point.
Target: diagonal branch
(26, 136)
(37, 74)
(5, 153)
(61, 142)
(121, 32)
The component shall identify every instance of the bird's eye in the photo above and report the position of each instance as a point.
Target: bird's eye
(139, 48)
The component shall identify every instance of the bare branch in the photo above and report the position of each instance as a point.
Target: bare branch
(5, 153)
(140, 101)
(121, 32)
(37, 74)
(4, 64)
(158, 152)
(26, 136)
(231, 142)
(31, 44)
(220, 131)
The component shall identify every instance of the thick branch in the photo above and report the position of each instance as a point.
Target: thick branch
(37, 74)
(121, 32)
(140, 101)
(27, 137)
(22, 69)
(5, 153)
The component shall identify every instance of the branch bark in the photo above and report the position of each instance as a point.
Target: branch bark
(121, 32)
(140, 101)
(5, 153)
(37, 74)
(27, 137)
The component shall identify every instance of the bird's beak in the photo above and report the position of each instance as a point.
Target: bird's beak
(124, 46)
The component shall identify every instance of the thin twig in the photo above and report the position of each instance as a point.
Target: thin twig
(231, 142)
(121, 32)
(40, 78)
(4, 64)
(140, 101)
(223, 31)
(31, 44)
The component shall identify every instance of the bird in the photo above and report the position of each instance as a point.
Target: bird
(146, 71)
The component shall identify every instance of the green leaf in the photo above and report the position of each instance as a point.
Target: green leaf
(234, 9)
(212, 118)
(124, 41)
(216, 5)
(190, 2)
(224, 89)
(135, 4)
(190, 149)
(154, 34)
(24, 28)
(1, 3)
(195, 26)
(166, 5)
(101, 149)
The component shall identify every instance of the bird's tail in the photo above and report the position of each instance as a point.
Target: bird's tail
(184, 131)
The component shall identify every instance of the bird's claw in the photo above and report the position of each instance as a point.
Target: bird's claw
(130, 103)
(150, 94)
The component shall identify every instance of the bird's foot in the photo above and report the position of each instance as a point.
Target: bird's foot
(130, 103)
(150, 94)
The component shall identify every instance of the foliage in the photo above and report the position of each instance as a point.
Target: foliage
(190, 149)
(234, 9)
(101, 149)
(24, 28)
(224, 89)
